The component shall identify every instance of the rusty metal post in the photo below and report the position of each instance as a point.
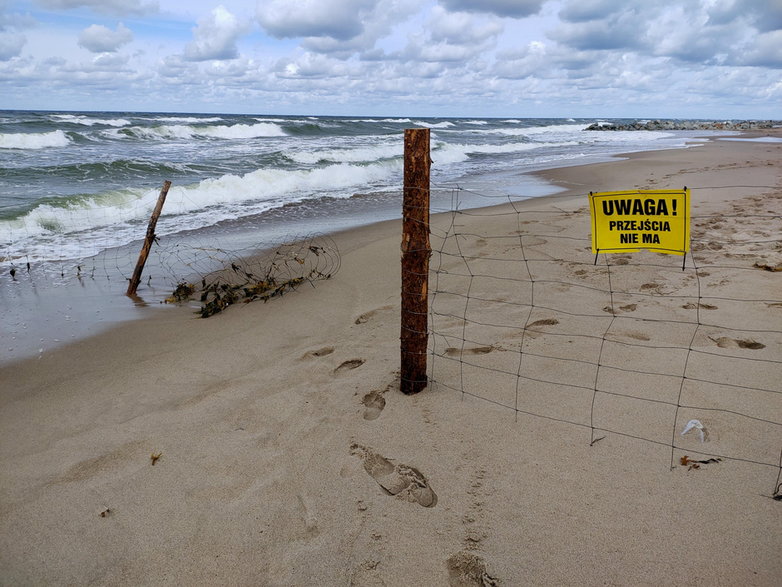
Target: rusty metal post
(416, 251)
(148, 240)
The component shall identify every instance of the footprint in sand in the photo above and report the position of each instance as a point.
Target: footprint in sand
(367, 315)
(400, 480)
(374, 402)
(693, 306)
(466, 569)
(531, 241)
(479, 350)
(322, 352)
(635, 335)
(544, 322)
(626, 308)
(349, 365)
(725, 343)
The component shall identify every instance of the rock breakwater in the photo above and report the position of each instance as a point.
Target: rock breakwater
(686, 125)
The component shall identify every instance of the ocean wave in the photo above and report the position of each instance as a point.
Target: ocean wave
(447, 153)
(538, 130)
(117, 170)
(89, 121)
(282, 185)
(630, 136)
(188, 119)
(444, 124)
(381, 120)
(312, 128)
(38, 140)
(349, 155)
(114, 218)
(182, 131)
(241, 131)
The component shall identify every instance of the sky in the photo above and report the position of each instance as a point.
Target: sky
(716, 59)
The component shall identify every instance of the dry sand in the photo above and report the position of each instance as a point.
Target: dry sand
(287, 455)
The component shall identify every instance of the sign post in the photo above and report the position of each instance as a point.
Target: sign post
(628, 221)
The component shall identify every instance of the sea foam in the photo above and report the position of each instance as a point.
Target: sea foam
(365, 154)
(117, 217)
(40, 140)
(187, 131)
(89, 121)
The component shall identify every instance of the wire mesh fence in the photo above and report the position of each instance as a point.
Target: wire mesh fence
(200, 268)
(76, 244)
(687, 358)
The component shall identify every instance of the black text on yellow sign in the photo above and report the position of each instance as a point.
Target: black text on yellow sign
(657, 220)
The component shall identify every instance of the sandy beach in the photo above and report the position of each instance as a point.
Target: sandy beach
(284, 453)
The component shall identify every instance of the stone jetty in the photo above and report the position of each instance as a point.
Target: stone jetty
(686, 125)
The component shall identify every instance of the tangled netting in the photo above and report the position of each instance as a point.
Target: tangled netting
(259, 277)
(194, 268)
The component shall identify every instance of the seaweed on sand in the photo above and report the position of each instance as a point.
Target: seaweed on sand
(282, 271)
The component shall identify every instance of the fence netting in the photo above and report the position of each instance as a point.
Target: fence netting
(219, 265)
(207, 270)
(524, 316)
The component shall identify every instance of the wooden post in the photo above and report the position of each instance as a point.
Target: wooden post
(148, 240)
(415, 261)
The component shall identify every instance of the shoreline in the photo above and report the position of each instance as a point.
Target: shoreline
(596, 173)
(280, 428)
(40, 325)
(46, 312)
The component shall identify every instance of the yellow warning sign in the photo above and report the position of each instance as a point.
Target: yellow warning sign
(657, 220)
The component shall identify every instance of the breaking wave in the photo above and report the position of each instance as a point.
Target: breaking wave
(187, 131)
(38, 140)
(58, 230)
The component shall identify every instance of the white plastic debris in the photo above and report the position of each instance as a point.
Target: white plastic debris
(696, 424)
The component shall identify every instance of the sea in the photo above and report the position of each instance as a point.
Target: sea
(80, 186)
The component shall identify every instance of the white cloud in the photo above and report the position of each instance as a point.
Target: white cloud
(110, 7)
(766, 15)
(764, 51)
(310, 66)
(614, 30)
(586, 10)
(705, 32)
(11, 38)
(215, 36)
(454, 39)
(522, 63)
(11, 45)
(110, 61)
(450, 57)
(100, 39)
(340, 28)
(461, 28)
(172, 67)
(338, 19)
(510, 8)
